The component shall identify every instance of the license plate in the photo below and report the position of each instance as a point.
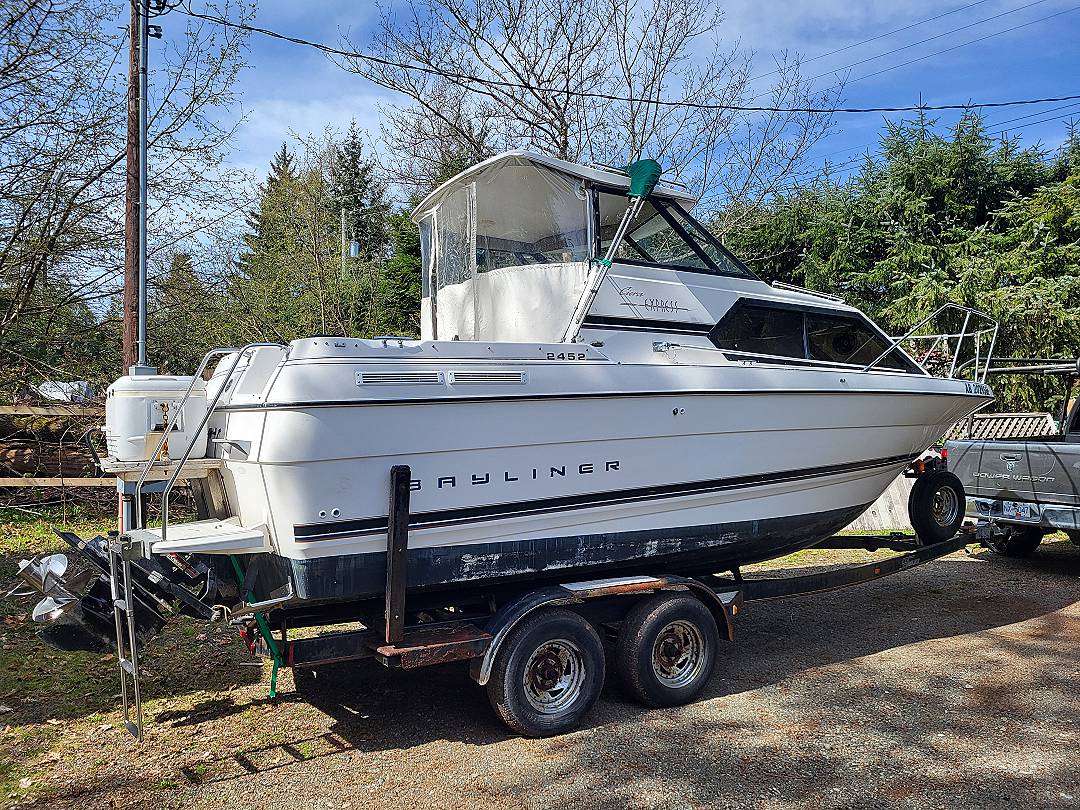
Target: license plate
(1011, 509)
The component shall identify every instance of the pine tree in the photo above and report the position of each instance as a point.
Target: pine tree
(355, 189)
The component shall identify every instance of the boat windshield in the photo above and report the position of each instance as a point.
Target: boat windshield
(663, 234)
(506, 255)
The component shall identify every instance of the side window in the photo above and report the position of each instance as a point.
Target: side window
(804, 334)
(836, 339)
(762, 330)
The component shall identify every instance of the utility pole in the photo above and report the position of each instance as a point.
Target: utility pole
(131, 197)
(134, 301)
(144, 32)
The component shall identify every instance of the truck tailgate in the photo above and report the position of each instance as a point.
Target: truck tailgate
(1043, 471)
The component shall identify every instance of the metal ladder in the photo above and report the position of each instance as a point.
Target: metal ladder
(121, 549)
(127, 651)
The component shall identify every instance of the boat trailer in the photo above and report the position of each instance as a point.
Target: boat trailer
(137, 591)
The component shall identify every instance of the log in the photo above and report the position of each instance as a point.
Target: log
(52, 410)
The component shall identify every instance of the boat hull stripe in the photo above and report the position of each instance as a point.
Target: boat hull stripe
(310, 532)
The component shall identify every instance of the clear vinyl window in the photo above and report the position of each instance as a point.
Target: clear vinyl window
(662, 234)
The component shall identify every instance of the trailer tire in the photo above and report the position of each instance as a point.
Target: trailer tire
(548, 673)
(1018, 543)
(666, 650)
(936, 506)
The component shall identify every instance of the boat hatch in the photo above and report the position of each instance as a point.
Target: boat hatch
(505, 254)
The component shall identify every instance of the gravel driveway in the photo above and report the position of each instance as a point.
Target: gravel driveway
(954, 685)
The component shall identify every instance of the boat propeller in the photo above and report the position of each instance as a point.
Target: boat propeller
(63, 607)
(42, 574)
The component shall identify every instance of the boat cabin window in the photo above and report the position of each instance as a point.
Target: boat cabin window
(785, 333)
(662, 234)
(846, 340)
(510, 255)
(762, 330)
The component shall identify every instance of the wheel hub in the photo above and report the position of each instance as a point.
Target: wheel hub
(554, 676)
(678, 653)
(944, 506)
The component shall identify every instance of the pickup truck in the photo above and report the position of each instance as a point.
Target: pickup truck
(1024, 488)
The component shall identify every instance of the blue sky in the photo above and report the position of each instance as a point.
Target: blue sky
(288, 88)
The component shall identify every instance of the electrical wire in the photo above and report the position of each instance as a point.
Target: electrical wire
(931, 39)
(466, 78)
(965, 44)
(876, 38)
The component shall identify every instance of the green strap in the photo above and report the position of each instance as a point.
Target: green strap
(264, 629)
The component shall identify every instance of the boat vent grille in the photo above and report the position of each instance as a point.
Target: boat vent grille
(399, 378)
(488, 378)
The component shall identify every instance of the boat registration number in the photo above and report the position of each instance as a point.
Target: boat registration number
(1012, 509)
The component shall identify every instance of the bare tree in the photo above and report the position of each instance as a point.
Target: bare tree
(62, 129)
(602, 81)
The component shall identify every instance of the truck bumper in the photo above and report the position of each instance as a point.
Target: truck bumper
(1047, 516)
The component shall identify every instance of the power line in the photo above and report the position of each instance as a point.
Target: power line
(965, 44)
(472, 79)
(1046, 120)
(929, 55)
(1032, 115)
(996, 125)
(877, 37)
(931, 39)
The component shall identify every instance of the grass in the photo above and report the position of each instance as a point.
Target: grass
(64, 716)
(23, 532)
(55, 700)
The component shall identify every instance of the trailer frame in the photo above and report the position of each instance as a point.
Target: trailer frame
(478, 638)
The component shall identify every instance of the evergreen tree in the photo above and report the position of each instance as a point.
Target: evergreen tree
(957, 217)
(356, 191)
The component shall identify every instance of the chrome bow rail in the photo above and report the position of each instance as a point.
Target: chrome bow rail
(174, 417)
(979, 364)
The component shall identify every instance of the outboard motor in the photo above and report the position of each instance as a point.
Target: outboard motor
(78, 609)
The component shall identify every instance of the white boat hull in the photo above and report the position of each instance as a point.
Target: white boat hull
(731, 466)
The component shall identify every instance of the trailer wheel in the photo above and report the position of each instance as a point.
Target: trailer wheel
(936, 506)
(666, 650)
(548, 673)
(1017, 543)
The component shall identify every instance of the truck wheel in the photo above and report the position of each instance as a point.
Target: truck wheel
(936, 506)
(548, 673)
(1074, 536)
(1017, 543)
(666, 650)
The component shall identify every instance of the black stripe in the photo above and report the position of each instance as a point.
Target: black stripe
(308, 532)
(647, 325)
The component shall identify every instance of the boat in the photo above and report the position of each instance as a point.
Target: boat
(599, 387)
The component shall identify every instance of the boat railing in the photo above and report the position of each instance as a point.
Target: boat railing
(969, 333)
(177, 466)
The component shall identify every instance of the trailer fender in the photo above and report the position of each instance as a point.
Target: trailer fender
(507, 617)
(725, 606)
